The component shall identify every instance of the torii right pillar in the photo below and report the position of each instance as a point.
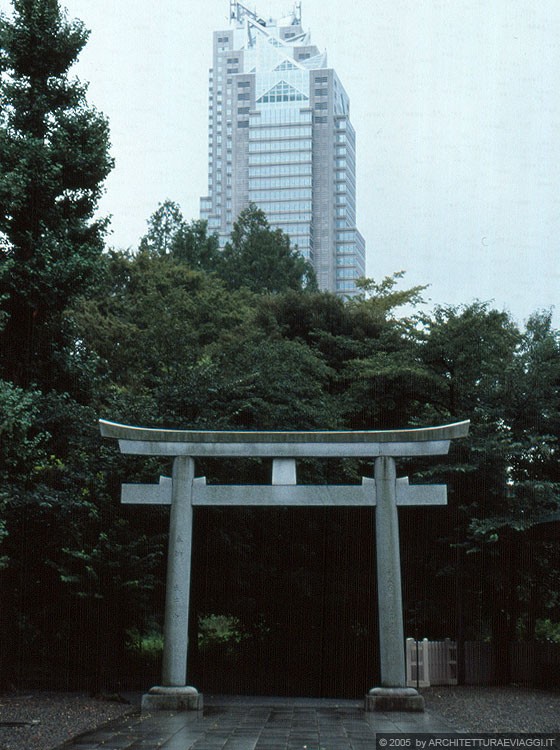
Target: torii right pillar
(393, 693)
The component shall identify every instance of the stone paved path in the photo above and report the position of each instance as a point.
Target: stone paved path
(257, 724)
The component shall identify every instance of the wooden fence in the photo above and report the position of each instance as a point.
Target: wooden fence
(531, 662)
(435, 663)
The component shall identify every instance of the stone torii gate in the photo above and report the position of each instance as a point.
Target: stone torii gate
(384, 491)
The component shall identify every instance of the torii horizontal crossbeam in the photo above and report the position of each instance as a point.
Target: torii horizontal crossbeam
(260, 444)
(337, 495)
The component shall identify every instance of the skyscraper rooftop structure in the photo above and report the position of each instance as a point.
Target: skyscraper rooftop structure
(280, 136)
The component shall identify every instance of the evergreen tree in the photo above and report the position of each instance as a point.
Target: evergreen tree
(189, 242)
(53, 161)
(163, 226)
(261, 258)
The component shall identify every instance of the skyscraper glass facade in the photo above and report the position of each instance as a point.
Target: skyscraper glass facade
(280, 136)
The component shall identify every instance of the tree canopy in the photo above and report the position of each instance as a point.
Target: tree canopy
(262, 258)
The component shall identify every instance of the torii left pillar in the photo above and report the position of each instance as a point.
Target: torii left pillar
(174, 694)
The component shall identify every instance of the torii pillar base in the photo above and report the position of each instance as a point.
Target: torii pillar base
(161, 698)
(394, 699)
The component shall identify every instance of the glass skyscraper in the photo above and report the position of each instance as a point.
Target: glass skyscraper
(280, 137)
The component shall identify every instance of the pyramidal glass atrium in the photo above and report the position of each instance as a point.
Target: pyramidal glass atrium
(280, 137)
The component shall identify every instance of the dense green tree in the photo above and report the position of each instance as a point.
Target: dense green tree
(500, 479)
(344, 330)
(154, 335)
(20, 443)
(261, 258)
(386, 383)
(535, 405)
(163, 225)
(472, 348)
(528, 564)
(384, 298)
(193, 245)
(275, 384)
(53, 161)
(189, 242)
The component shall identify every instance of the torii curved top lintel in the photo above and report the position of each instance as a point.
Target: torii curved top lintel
(202, 440)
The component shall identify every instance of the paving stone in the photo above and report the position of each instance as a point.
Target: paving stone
(246, 724)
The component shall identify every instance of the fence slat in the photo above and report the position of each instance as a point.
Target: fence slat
(417, 663)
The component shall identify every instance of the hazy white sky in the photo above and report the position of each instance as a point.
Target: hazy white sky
(456, 106)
